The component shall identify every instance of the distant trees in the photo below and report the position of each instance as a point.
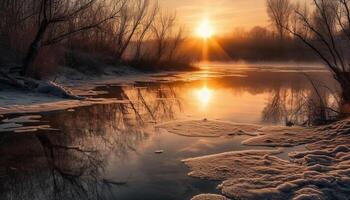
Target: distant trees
(261, 44)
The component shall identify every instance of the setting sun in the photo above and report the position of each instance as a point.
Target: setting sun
(205, 30)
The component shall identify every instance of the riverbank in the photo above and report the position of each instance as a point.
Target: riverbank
(14, 100)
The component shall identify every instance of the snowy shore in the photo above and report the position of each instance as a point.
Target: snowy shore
(321, 172)
(21, 101)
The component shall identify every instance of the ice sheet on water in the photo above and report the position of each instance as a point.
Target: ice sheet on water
(208, 128)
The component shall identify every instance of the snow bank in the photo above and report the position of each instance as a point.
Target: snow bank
(209, 197)
(327, 136)
(281, 136)
(208, 128)
(320, 173)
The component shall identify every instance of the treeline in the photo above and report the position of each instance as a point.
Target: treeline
(262, 44)
(255, 44)
(37, 36)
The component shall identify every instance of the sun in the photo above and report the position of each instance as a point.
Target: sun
(205, 30)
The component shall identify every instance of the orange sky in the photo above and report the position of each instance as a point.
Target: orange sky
(225, 15)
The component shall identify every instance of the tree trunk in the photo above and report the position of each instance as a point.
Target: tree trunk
(345, 94)
(138, 51)
(34, 49)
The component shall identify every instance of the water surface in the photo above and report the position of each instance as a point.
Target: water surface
(107, 151)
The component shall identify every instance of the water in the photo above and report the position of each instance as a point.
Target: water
(108, 151)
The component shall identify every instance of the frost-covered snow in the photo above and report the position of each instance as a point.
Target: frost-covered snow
(208, 128)
(322, 172)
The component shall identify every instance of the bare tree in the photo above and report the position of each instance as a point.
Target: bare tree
(15, 21)
(133, 16)
(59, 19)
(177, 41)
(279, 12)
(162, 28)
(145, 29)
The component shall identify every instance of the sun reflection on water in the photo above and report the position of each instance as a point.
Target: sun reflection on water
(204, 95)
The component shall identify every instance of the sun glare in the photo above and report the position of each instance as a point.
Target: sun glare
(205, 30)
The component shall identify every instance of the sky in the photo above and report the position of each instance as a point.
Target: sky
(224, 15)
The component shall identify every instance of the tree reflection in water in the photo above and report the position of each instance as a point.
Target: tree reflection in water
(310, 106)
(70, 163)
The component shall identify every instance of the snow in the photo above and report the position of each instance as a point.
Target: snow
(327, 136)
(16, 124)
(55, 105)
(209, 197)
(14, 97)
(208, 128)
(273, 136)
(322, 172)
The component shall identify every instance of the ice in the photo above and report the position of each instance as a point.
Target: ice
(208, 128)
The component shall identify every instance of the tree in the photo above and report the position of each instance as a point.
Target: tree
(133, 16)
(59, 19)
(145, 29)
(325, 30)
(161, 29)
(176, 42)
(279, 12)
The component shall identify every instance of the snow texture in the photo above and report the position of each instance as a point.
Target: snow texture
(280, 136)
(323, 172)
